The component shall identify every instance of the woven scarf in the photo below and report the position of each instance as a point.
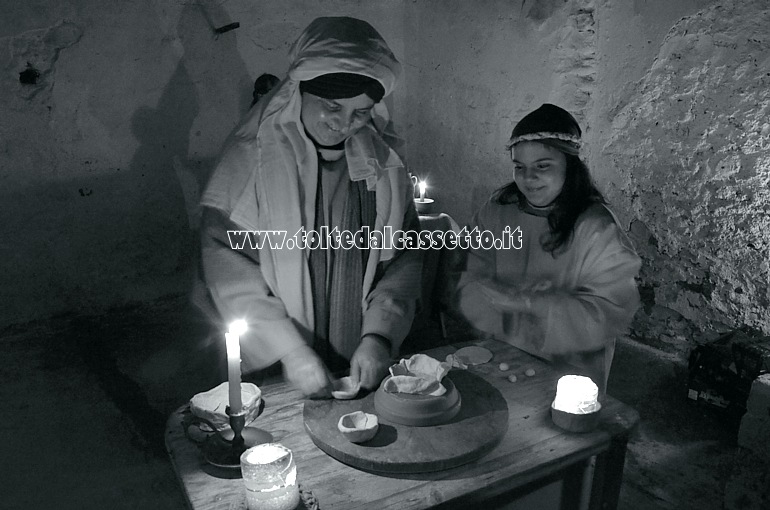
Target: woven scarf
(337, 307)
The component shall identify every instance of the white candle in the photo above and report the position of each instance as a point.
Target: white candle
(422, 185)
(233, 342)
(576, 394)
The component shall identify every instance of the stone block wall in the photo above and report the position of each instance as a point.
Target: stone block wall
(690, 147)
(754, 433)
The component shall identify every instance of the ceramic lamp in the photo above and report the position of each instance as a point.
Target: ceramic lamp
(576, 406)
(424, 205)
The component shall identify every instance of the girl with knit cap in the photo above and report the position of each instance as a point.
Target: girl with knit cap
(316, 153)
(569, 291)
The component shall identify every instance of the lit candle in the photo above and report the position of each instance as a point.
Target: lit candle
(233, 341)
(422, 185)
(576, 394)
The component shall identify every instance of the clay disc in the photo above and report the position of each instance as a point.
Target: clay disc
(473, 355)
(478, 426)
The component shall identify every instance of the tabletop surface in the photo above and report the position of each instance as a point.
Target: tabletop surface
(532, 448)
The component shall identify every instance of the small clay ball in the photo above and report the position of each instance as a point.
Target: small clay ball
(530, 372)
(504, 366)
(512, 378)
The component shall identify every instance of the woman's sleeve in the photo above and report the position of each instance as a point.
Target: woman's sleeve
(602, 304)
(469, 301)
(392, 300)
(239, 291)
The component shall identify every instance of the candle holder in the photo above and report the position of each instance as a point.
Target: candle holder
(225, 452)
(423, 205)
(576, 408)
(574, 422)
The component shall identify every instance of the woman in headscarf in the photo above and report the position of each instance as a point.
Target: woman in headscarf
(316, 152)
(569, 290)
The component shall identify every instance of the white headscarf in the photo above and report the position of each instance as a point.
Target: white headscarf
(267, 176)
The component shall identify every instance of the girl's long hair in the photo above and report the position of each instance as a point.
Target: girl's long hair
(577, 195)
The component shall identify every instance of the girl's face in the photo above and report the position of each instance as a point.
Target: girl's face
(539, 171)
(332, 121)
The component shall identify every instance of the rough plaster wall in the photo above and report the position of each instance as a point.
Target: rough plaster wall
(629, 35)
(97, 212)
(104, 156)
(691, 147)
(474, 69)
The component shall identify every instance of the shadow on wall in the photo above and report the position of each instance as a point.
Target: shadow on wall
(111, 236)
(170, 180)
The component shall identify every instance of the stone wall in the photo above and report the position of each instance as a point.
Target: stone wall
(691, 148)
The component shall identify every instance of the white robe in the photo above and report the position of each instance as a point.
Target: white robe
(266, 180)
(592, 296)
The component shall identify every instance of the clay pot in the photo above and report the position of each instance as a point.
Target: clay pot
(358, 427)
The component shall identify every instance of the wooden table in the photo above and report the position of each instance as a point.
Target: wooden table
(586, 469)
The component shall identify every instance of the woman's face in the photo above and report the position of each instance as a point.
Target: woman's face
(539, 171)
(331, 121)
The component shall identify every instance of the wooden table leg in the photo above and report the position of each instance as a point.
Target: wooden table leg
(574, 490)
(608, 475)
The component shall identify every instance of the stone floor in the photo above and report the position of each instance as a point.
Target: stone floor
(85, 401)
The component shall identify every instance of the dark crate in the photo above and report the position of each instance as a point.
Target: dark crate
(721, 372)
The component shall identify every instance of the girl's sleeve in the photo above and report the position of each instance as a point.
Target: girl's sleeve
(470, 302)
(601, 305)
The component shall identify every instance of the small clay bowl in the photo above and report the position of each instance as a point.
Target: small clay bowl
(344, 389)
(358, 427)
(575, 422)
(418, 410)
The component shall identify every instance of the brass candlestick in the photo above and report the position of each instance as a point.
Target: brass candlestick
(222, 451)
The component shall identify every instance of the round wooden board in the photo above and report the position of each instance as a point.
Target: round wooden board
(477, 428)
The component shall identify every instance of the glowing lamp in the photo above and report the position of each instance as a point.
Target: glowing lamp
(422, 204)
(576, 406)
(270, 476)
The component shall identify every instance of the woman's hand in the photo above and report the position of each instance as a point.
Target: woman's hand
(370, 362)
(305, 371)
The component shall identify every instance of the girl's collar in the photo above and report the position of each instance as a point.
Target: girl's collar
(537, 211)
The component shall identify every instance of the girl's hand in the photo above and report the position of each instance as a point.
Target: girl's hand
(509, 298)
(541, 286)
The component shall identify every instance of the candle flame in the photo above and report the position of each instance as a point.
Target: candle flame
(238, 327)
(423, 185)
